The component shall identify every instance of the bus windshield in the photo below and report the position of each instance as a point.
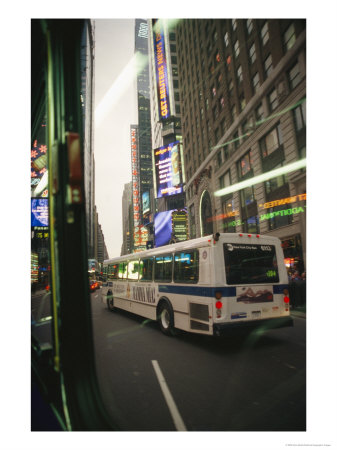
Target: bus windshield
(250, 264)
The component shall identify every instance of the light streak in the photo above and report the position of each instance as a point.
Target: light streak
(120, 86)
(263, 177)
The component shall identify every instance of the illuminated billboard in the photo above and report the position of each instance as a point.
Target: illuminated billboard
(146, 202)
(135, 175)
(39, 212)
(38, 156)
(140, 238)
(161, 71)
(168, 170)
(170, 226)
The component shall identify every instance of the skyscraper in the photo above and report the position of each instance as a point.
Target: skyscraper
(144, 116)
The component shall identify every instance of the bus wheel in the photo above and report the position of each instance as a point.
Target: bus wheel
(165, 318)
(110, 301)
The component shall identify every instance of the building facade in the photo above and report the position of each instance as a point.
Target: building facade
(167, 148)
(127, 218)
(243, 97)
(144, 114)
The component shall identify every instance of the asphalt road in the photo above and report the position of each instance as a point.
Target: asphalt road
(151, 382)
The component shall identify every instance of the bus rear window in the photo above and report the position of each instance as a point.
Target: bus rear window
(250, 264)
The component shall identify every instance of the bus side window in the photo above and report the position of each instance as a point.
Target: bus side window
(105, 273)
(186, 267)
(133, 269)
(112, 271)
(122, 270)
(146, 269)
(163, 268)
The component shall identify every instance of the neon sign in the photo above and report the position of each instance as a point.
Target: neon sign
(283, 212)
(284, 201)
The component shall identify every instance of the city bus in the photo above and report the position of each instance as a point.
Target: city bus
(207, 285)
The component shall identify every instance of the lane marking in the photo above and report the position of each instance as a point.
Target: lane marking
(178, 421)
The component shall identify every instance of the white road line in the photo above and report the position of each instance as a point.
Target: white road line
(178, 421)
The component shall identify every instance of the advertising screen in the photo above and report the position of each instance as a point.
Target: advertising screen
(170, 226)
(161, 71)
(168, 170)
(39, 212)
(146, 202)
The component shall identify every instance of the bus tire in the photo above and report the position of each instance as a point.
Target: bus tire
(110, 301)
(166, 317)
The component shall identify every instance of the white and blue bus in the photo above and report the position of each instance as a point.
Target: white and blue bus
(207, 285)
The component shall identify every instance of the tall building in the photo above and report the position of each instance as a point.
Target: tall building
(127, 218)
(144, 116)
(87, 100)
(243, 97)
(170, 218)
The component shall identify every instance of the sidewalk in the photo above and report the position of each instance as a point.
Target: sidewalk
(299, 311)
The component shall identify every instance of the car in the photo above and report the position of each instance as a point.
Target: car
(92, 285)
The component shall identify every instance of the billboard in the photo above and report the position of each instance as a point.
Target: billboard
(161, 71)
(170, 226)
(38, 156)
(39, 212)
(146, 202)
(135, 175)
(140, 238)
(168, 170)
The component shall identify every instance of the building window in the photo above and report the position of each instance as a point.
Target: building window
(251, 225)
(217, 57)
(225, 180)
(247, 196)
(236, 49)
(273, 100)
(289, 37)
(239, 74)
(222, 102)
(294, 76)
(264, 34)
(236, 140)
(234, 24)
(271, 142)
(245, 165)
(300, 116)
(228, 211)
(233, 112)
(242, 102)
(213, 91)
(256, 82)
(230, 88)
(275, 183)
(226, 39)
(217, 134)
(249, 24)
(268, 65)
(219, 158)
(215, 36)
(259, 113)
(252, 53)
(219, 79)
(300, 126)
(215, 112)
